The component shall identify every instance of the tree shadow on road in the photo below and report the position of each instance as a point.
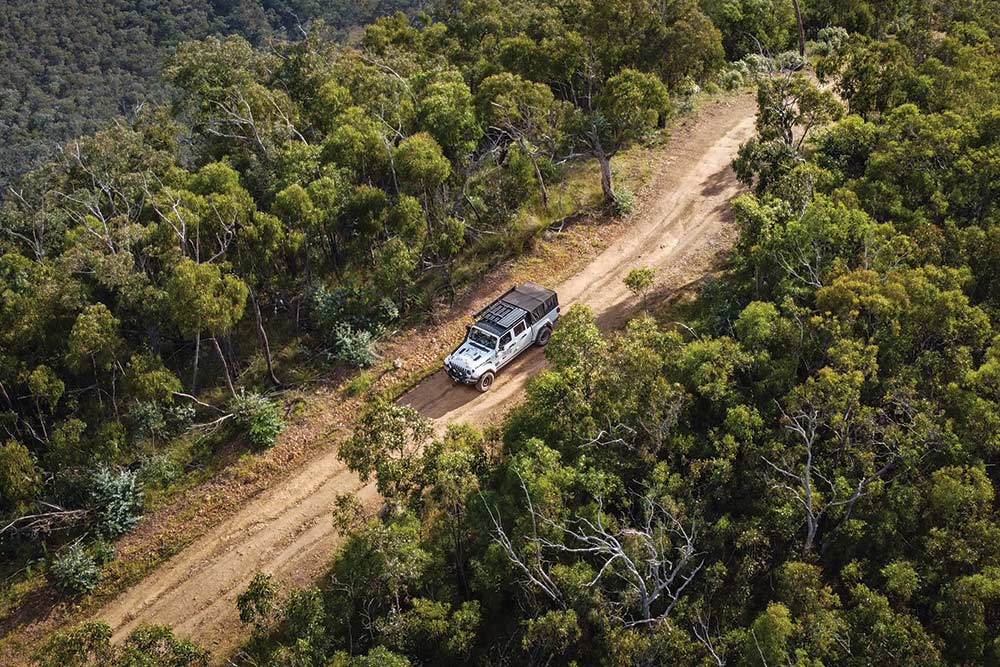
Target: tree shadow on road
(438, 395)
(718, 182)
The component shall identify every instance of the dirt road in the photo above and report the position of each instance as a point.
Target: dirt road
(682, 229)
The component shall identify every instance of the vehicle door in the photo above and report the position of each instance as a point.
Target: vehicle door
(506, 349)
(522, 337)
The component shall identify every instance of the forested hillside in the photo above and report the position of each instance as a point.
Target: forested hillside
(804, 473)
(68, 68)
(797, 467)
(293, 204)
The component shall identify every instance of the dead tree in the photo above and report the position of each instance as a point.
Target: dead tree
(858, 453)
(799, 482)
(534, 566)
(50, 519)
(703, 633)
(653, 557)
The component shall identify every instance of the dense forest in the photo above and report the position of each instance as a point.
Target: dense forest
(70, 67)
(307, 193)
(801, 473)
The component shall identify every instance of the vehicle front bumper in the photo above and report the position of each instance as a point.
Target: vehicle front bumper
(460, 374)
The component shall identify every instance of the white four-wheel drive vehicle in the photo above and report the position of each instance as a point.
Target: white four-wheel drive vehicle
(522, 317)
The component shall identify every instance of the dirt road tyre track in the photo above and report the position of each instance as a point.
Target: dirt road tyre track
(682, 229)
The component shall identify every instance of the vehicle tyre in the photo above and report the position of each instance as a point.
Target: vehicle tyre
(544, 334)
(485, 381)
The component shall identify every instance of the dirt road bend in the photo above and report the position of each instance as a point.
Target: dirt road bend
(682, 228)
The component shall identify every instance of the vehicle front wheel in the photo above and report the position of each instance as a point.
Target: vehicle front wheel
(485, 381)
(543, 337)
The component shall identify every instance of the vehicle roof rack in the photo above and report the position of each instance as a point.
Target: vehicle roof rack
(502, 315)
(528, 301)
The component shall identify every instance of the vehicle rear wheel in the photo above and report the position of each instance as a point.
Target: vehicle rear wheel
(485, 381)
(543, 336)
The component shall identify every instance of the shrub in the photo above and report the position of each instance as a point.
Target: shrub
(258, 418)
(384, 312)
(159, 470)
(330, 307)
(756, 64)
(789, 61)
(75, 571)
(117, 497)
(156, 646)
(353, 346)
(731, 79)
(686, 87)
(180, 417)
(640, 279)
(327, 307)
(256, 604)
(103, 552)
(149, 421)
(828, 41)
(359, 384)
(89, 645)
(156, 422)
(348, 513)
(348, 322)
(84, 645)
(624, 202)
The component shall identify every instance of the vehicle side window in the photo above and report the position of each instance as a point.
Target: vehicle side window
(519, 328)
(504, 340)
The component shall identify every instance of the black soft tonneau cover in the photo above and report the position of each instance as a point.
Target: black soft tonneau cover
(530, 297)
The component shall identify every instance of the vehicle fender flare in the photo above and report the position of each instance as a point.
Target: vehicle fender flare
(543, 335)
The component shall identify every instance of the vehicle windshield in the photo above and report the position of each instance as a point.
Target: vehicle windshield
(482, 339)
